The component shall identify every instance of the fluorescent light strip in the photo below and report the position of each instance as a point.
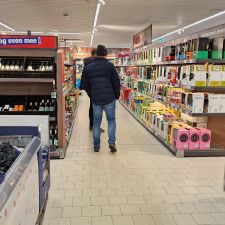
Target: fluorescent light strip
(97, 14)
(4, 25)
(191, 25)
(92, 37)
(38, 32)
(95, 21)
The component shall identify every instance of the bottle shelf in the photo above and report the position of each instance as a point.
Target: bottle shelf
(50, 113)
(26, 74)
(27, 80)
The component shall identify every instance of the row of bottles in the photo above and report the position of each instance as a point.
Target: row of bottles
(17, 65)
(41, 106)
(53, 135)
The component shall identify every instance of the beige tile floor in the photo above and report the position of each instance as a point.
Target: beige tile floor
(142, 184)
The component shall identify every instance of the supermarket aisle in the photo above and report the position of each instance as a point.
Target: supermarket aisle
(143, 184)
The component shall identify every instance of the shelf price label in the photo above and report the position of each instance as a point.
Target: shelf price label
(53, 95)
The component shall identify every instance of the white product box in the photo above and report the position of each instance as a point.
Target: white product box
(213, 103)
(159, 54)
(195, 102)
(198, 76)
(194, 119)
(185, 74)
(154, 55)
(214, 75)
(222, 103)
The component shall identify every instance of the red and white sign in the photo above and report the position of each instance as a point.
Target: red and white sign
(143, 38)
(28, 42)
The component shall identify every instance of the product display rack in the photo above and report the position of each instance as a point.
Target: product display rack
(172, 149)
(215, 119)
(65, 92)
(32, 74)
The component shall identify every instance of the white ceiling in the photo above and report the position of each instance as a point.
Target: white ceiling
(118, 20)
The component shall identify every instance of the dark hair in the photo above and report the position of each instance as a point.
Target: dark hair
(101, 50)
(93, 52)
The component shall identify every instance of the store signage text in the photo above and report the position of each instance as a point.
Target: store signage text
(22, 41)
(28, 42)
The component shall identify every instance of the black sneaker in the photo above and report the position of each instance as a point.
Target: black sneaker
(96, 148)
(112, 148)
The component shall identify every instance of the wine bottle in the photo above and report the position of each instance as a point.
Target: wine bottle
(30, 107)
(53, 92)
(47, 106)
(50, 137)
(6, 108)
(52, 106)
(36, 108)
(7, 66)
(42, 106)
(1, 64)
(16, 68)
(55, 140)
(12, 67)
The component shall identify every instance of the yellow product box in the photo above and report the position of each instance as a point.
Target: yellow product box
(223, 75)
(198, 75)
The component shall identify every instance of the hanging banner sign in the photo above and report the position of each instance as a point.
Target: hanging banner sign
(143, 38)
(28, 42)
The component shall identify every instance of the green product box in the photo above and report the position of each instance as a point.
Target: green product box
(217, 54)
(200, 55)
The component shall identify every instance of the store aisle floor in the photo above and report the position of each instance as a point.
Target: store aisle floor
(142, 184)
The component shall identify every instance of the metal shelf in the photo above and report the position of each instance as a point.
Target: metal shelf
(27, 74)
(60, 153)
(179, 62)
(179, 153)
(205, 88)
(27, 80)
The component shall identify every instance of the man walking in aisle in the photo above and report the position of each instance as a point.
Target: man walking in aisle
(88, 61)
(103, 86)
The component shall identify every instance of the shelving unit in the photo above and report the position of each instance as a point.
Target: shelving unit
(65, 91)
(172, 149)
(54, 83)
(215, 121)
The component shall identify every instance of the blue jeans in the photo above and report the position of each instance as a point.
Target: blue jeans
(110, 110)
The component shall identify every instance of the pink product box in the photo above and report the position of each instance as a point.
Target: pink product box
(205, 138)
(181, 138)
(194, 141)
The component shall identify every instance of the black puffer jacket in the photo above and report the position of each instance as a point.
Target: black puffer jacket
(102, 81)
(86, 61)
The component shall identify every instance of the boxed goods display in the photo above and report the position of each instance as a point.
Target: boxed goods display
(205, 138)
(200, 48)
(214, 75)
(180, 137)
(213, 103)
(223, 75)
(197, 76)
(194, 102)
(217, 46)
